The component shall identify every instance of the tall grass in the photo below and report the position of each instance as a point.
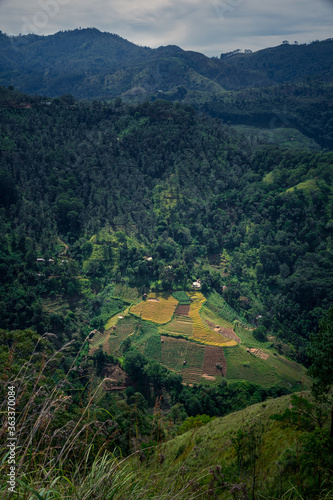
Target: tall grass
(42, 448)
(67, 461)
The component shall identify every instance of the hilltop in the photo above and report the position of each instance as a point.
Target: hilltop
(284, 91)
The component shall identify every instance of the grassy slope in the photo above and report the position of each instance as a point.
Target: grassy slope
(211, 444)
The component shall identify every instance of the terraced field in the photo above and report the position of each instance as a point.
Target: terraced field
(98, 339)
(214, 356)
(173, 353)
(123, 328)
(244, 366)
(180, 325)
(117, 329)
(171, 333)
(152, 348)
(159, 308)
(200, 359)
(194, 357)
(200, 332)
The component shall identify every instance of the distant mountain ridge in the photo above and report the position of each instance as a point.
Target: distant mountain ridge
(91, 64)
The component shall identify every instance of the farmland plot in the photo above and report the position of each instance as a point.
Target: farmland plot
(214, 356)
(123, 328)
(194, 357)
(159, 308)
(180, 325)
(152, 348)
(200, 332)
(173, 353)
(176, 351)
(103, 339)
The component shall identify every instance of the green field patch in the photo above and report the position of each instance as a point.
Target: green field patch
(217, 304)
(180, 325)
(152, 348)
(289, 371)
(173, 353)
(123, 328)
(99, 339)
(182, 297)
(176, 351)
(207, 313)
(241, 365)
(126, 293)
(143, 332)
(248, 339)
(194, 357)
(114, 318)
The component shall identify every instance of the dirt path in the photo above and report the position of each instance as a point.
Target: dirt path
(64, 252)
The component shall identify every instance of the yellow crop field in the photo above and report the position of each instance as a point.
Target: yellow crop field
(200, 332)
(158, 307)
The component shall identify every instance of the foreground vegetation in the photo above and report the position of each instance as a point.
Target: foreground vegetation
(68, 450)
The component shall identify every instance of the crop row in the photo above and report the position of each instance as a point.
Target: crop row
(200, 332)
(158, 308)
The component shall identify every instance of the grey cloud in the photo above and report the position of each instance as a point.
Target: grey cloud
(192, 24)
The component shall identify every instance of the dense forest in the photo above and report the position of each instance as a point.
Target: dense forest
(155, 179)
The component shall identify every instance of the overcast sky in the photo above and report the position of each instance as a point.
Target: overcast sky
(209, 27)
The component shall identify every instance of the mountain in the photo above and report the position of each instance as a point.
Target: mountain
(160, 269)
(288, 62)
(286, 87)
(92, 64)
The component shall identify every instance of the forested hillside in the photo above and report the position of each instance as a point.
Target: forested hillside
(99, 188)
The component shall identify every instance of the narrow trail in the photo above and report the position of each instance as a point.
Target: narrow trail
(64, 252)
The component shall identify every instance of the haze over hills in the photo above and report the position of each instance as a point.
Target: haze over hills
(286, 87)
(91, 64)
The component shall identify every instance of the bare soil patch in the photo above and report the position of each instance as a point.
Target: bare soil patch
(258, 353)
(214, 356)
(183, 310)
(152, 300)
(208, 377)
(117, 378)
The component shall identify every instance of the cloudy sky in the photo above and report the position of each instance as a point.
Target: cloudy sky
(210, 27)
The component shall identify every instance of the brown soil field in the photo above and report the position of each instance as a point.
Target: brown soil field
(183, 310)
(214, 355)
(117, 378)
(226, 332)
(258, 353)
